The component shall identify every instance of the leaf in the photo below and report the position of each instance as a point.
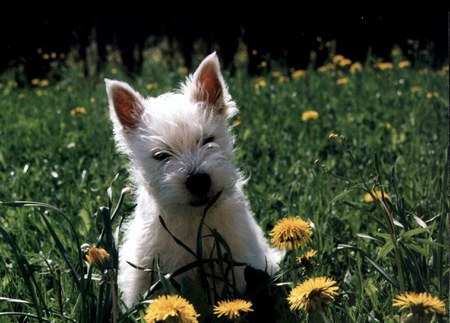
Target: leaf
(385, 250)
(366, 236)
(388, 277)
(420, 222)
(413, 232)
(195, 294)
(31, 204)
(13, 300)
(343, 194)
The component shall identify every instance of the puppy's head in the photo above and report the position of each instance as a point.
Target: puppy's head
(178, 143)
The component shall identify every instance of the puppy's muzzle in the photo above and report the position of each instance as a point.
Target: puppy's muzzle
(199, 185)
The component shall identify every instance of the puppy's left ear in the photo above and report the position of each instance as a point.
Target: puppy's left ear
(209, 87)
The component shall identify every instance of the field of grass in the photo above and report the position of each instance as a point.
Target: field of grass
(380, 127)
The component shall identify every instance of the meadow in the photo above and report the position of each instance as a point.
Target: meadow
(314, 144)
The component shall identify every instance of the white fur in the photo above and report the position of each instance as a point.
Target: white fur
(177, 123)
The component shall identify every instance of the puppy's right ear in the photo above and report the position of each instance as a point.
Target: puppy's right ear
(125, 105)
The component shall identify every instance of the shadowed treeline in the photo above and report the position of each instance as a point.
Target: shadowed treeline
(278, 33)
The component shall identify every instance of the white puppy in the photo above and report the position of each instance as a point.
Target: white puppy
(180, 150)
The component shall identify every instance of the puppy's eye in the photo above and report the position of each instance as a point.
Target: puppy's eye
(161, 156)
(208, 140)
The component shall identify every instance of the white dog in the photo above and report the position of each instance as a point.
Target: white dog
(180, 150)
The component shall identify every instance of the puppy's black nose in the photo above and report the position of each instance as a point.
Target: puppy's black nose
(198, 184)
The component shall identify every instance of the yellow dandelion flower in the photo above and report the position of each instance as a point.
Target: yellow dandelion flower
(378, 195)
(260, 83)
(39, 93)
(325, 68)
(35, 82)
(232, 309)
(298, 74)
(263, 64)
(12, 83)
(313, 294)
(170, 306)
(291, 233)
(77, 110)
(310, 115)
(114, 71)
(276, 74)
(44, 82)
(345, 62)
(156, 57)
(254, 52)
(384, 66)
(333, 136)
(151, 86)
(342, 81)
(98, 257)
(182, 70)
(416, 89)
(419, 303)
(404, 64)
(53, 55)
(307, 255)
(338, 58)
(45, 56)
(431, 95)
(356, 67)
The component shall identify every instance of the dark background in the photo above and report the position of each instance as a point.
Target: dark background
(280, 33)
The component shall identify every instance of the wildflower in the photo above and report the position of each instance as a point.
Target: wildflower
(263, 64)
(92, 99)
(260, 83)
(325, 68)
(45, 56)
(151, 86)
(332, 136)
(419, 304)
(345, 62)
(182, 70)
(156, 56)
(98, 257)
(291, 233)
(21, 95)
(232, 309)
(404, 64)
(431, 95)
(445, 69)
(173, 306)
(416, 89)
(342, 81)
(384, 66)
(310, 115)
(338, 58)
(307, 255)
(39, 93)
(236, 122)
(35, 82)
(298, 74)
(378, 195)
(356, 67)
(12, 83)
(276, 74)
(44, 82)
(114, 71)
(77, 110)
(53, 55)
(313, 294)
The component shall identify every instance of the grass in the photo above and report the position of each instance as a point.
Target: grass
(390, 131)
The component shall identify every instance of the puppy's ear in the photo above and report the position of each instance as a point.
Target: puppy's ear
(207, 85)
(125, 104)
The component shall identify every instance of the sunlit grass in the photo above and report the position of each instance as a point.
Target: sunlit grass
(378, 133)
